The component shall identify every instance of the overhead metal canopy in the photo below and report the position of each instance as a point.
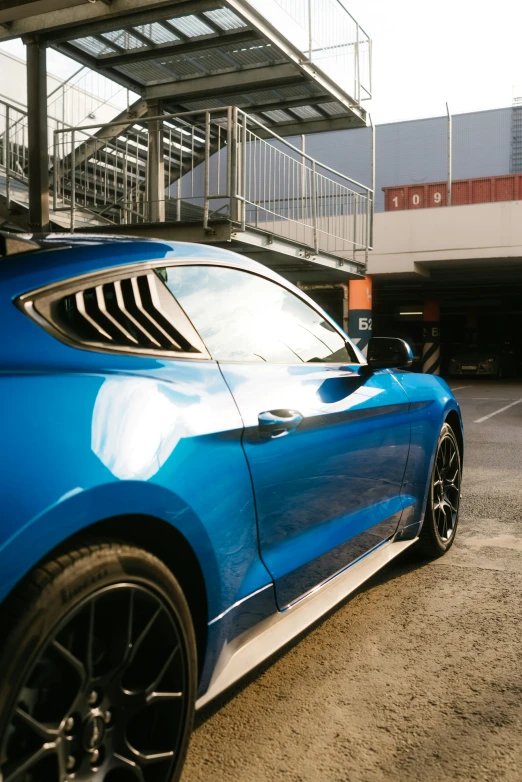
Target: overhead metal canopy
(192, 54)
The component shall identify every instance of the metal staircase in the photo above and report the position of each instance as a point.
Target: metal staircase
(300, 65)
(201, 155)
(109, 185)
(110, 167)
(222, 182)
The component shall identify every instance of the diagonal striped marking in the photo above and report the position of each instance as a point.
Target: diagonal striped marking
(485, 417)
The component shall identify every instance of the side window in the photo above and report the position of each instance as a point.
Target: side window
(243, 317)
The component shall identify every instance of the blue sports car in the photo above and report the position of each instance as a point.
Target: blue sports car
(196, 464)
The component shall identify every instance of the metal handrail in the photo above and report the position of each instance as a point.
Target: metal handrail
(270, 185)
(217, 111)
(329, 37)
(302, 153)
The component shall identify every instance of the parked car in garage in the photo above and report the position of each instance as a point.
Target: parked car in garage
(196, 464)
(491, 360)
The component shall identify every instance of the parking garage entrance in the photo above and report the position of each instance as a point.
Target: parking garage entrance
(480, 313)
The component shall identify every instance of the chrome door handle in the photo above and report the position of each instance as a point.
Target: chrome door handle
(277, 422)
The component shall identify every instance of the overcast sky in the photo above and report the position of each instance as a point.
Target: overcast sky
(426, 52)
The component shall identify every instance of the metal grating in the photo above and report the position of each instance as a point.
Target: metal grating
(191, 26)
(203, 105)
(226, 19)
(157, 33)
(124, 39)
(183, 66)
(93, 46)
(306, 112)
(300, 90)
(143, 72)
(333, 108)
(254, 53)
(277, 116)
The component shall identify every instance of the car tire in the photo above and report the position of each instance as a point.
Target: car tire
(98, 669)
(442, 507)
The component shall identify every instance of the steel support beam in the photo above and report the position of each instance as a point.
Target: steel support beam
(37, 133)
(106, 133)
(92, 62)
(156, 166)
(225, 84)
(283, 104)
(25, 10)
(317, 125)
(95, 18)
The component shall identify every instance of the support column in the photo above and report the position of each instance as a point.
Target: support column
(360, 317)
(155, 166)
(37, 136)
(471, 327)
(431, 337)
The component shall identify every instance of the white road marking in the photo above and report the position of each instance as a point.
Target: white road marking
(459, 388)
(485, 418)
(493, 398)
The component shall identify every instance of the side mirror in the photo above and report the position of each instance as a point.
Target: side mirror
(389, 353)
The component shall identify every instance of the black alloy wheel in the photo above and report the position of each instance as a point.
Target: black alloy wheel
(108, 694)
(442, 511)
(446, 487)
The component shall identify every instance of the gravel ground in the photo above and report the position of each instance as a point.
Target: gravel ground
(419, 675)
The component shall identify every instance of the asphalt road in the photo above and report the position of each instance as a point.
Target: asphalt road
(419, 675)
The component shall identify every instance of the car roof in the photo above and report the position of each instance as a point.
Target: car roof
(49, 258)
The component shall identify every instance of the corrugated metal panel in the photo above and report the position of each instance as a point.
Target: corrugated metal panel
(481, 190)
(415, 152)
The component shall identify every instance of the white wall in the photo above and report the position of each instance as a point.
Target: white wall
(417, 240)
(88, 93)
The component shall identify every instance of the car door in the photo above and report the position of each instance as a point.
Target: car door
(326, 444)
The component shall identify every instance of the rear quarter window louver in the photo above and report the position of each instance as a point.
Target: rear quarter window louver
(130, 314)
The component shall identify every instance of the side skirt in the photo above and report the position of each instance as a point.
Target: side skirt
(258, 643)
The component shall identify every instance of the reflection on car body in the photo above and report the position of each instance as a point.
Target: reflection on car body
(197, 464)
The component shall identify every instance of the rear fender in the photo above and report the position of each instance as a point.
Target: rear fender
(80, 509)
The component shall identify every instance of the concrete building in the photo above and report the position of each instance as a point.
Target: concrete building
(465, 258)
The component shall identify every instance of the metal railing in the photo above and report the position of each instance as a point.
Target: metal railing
(328, 36)
(215, 165)
(14, 145)
(290, 194)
